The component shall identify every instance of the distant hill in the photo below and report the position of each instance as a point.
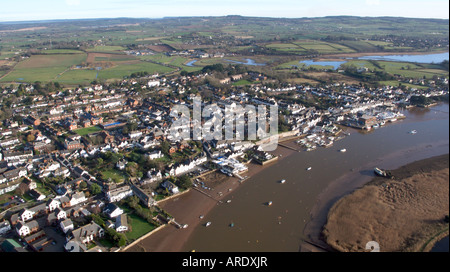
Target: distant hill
(323, 26)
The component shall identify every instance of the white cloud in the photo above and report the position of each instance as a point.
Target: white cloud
(373, 2)
(73, 2)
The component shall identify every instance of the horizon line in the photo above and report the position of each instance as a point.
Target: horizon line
(209, 16)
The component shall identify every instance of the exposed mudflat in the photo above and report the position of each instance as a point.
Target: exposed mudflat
(402, 214)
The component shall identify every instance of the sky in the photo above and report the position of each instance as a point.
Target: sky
(26, 10)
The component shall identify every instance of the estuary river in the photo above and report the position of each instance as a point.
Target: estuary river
(417, 58)
(300, 204)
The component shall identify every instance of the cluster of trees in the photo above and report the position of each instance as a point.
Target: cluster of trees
(184, 182)
(146, 214)
(352, 71)
(118, 239)
(228, 70)
(139, 74)
(130, 126)
(423, 101)
(445, 65)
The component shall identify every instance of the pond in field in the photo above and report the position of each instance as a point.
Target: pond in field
(191, 63)
(248, 62)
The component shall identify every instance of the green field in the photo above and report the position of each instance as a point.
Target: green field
(111, 48)
(43, 67)
(404, 69)
(242, 82)
(114, 174)
(308, 46)
(286, 47)
(77, 76)
(61, 51)
(324, 47)
(88, 130)
(139, 227)
(171, 60)
(126, 69)
(60, 67)
(360, 46)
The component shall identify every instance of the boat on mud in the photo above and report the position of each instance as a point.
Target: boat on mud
(383, 173)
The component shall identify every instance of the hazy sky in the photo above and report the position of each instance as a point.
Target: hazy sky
(19, 10)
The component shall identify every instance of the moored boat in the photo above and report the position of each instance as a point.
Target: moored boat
(282, 181)
(343, 150)
(383, 173)
(207, 224)
(379, 172)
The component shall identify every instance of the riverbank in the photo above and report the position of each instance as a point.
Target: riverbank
(404, 214)
(354, 180)
(187, 208)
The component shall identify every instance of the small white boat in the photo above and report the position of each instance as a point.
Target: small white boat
(229, 201)
(343, 150)
(413, 131)
(269, 203)
(201, 216)
(282, 181)
(309, 168)
(207, 224)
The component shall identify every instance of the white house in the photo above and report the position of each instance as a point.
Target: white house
(118, 194)
(52, 204)
(26, 215)
(24, 229)
(86, 234)
(155, 155)
(200, 160)
(112, 210)
(121, 164)
(153, 83)
(170, 186)
(66, 225)
(135, 134)
(63, 171)
(60, 214)
(121, 223)
(77, 198)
